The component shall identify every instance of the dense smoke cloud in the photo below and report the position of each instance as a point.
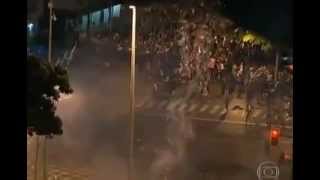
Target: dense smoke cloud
(96, 116)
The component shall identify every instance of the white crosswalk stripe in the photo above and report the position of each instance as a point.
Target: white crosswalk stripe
(214, 109)
(224, 122)
(180, 104)
(204, 107)
(162, 104)
(143, 102)
(257, 113)
(173, 104)
(192, 107)
(243, 114)
(181, 108)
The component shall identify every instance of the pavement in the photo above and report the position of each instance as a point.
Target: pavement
(62, 173)
(95, 146)
(219, 150)
(55, 172)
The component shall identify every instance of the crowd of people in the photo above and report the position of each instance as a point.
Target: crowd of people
(208, 48)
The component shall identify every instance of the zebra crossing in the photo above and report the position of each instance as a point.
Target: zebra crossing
(212, 109)
(209, 107)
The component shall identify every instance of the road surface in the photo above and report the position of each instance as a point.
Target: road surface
(95, 143)
(219, 150)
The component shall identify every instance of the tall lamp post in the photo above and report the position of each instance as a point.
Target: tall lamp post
(45, 158)
(36, 161)
(50, 5)
(132, 94)
(44, 143)
(276, 67)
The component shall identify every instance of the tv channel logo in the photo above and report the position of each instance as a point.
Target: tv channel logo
(268, 170)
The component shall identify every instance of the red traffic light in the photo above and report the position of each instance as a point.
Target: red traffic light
(275, 133)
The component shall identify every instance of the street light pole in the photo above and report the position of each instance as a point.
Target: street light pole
(132, 94)
(50, 5)
(44, 145)
(36, 161)
(276, 67)
(45, 158)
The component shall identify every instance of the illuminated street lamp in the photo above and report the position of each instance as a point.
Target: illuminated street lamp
(44, 143)
(276, 67)
(132, 89)
(30, 26)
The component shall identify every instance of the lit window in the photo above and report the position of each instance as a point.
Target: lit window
(84, 22)
(106, 15)
(95, 17)
(116, 10)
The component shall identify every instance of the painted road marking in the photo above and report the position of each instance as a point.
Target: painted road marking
(181, 108)
(243, 114)
(193, 106)
(162, 104)
(143, 102)
(222, 122)
(204, 107)
(257, 113)
(214, 109)
(173, 104)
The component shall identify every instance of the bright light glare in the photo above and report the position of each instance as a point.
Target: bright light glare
(54, 17)
(132, 7)
(274, 133)
(30, 26)
(248, 38)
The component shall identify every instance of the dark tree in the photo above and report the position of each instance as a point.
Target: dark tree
(45, 83)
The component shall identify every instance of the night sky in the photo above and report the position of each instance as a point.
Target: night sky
(271, 18)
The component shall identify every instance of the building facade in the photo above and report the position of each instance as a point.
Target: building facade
(114, 18)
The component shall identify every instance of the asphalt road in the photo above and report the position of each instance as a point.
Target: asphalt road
(221, 151)
(96, 135)
(217, 151)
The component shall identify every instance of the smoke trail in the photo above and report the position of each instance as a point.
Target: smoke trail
(179, 133)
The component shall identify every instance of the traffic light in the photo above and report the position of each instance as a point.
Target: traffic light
(275, 135)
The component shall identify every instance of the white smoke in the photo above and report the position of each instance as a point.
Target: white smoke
(179, 133)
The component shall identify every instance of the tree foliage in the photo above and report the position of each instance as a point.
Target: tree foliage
(45, 83)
